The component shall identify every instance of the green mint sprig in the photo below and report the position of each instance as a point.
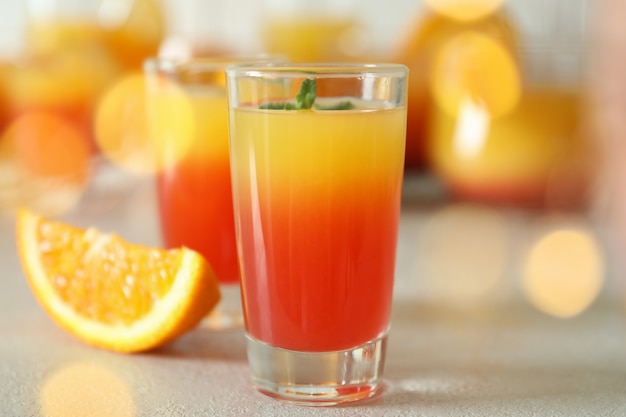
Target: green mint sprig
(279, 105)
(306, 95)
(342, 105)
(305, 100)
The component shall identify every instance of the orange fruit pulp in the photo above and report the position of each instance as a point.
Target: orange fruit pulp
(110, 293)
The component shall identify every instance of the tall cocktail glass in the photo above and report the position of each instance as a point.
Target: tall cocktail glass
(194, 184)
(317, 153)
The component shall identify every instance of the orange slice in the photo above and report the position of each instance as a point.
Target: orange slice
(110, 293)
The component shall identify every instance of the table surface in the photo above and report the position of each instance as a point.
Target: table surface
(456, 348)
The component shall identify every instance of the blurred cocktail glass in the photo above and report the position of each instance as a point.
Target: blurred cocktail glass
(311, 31)
(193, 182)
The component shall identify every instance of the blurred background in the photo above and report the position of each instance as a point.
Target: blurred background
(514, 140)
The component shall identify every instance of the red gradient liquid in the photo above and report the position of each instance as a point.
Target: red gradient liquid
(196, 207)
(195, 197)
(318, 209)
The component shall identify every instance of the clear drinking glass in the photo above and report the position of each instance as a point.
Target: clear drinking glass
(194, 185)
(317, 154)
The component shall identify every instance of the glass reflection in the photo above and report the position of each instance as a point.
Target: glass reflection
(471, 130)
(86, 389)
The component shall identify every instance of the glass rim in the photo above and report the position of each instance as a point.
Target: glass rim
(204, 64)
(316, 69)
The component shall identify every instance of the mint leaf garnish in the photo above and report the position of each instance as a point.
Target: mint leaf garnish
(305, 99)
(306, 95)
(278, 106)
(342, 105)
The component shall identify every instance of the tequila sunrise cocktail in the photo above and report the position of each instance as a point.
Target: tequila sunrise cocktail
(195, 199)
(194, 184)
(317, 186)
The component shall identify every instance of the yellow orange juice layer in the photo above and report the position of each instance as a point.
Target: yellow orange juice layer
(318, 196)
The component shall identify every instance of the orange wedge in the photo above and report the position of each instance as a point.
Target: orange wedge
(110, 293)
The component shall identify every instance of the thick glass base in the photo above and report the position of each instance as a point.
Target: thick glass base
(317, 378)
(227, 314)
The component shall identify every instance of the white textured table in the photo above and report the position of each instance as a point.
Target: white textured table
(491, 354)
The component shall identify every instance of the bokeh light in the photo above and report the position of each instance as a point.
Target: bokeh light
(143, 124)
(464, 251)
(564, 269)
(476, 67)
(471, 130)
(44, 163)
